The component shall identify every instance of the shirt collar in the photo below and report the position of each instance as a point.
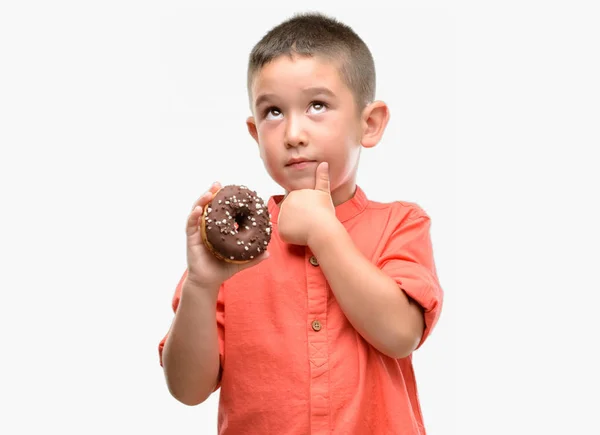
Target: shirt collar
(345, 211)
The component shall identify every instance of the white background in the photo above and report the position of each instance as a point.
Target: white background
(115, 116)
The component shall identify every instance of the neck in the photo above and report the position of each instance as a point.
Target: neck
(344, 192)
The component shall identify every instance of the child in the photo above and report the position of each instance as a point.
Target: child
(316, 335)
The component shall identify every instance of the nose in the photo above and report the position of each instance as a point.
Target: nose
(295, 134)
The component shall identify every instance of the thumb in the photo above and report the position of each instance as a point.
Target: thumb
(322, 177)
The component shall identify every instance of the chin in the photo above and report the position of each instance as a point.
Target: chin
(299, 185)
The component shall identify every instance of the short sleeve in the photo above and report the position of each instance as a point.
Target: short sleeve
(220, 322)
(408, 258)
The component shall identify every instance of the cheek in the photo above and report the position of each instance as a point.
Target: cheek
(343, 149)
(268, 134)
(265, 141)
(340, 130)
(338, 140)
(268, 154)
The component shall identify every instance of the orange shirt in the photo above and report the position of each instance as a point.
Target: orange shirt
(291, 361)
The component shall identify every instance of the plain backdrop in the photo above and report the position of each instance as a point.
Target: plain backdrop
(116, 116)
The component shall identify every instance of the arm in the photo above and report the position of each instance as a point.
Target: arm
(382, 301)
(190, 357)
(371, 300)
(192, 350)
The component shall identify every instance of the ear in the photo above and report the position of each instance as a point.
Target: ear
(251, 124)
(374, 119)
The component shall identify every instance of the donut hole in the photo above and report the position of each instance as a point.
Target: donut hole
(240, 220)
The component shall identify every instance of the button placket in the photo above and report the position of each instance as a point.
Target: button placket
(318, 352)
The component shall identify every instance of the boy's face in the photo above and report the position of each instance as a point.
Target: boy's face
(304, 111)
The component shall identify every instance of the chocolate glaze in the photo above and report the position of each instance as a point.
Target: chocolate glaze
(238, 223)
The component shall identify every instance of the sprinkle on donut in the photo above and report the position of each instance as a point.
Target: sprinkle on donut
(237, 224)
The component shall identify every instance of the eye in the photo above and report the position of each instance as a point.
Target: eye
(272, 113)
(318, 107)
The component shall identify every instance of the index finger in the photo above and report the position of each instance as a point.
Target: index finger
(201, 201)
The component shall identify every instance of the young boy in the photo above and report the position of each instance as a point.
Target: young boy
(316, 335)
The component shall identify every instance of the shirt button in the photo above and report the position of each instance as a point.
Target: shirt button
(313, 261)
(316, 325)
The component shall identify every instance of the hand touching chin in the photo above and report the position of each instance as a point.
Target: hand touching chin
(303, 209)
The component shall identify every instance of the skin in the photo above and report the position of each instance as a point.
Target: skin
(301, 108)
(191, 352)
(293, 118)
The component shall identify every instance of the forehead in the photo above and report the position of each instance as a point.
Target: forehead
(285, 74)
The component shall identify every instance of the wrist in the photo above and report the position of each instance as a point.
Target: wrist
(195, 285)
(324, 233)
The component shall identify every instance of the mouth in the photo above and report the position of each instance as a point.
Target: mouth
(299, 163)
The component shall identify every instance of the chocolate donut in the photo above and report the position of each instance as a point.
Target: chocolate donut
(236, 225)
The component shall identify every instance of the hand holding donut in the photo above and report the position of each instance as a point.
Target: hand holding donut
(204, 268)
(302, 211)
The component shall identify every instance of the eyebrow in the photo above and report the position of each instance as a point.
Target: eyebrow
(315, 90)
(318, 90)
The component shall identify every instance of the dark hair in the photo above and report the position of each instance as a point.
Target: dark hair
(311, 34)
